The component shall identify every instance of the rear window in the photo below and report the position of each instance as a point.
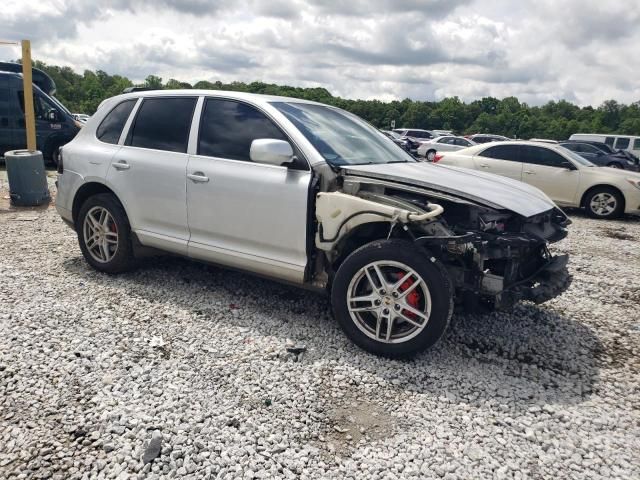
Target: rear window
(622, 143)
(163, 124)
(111, 127)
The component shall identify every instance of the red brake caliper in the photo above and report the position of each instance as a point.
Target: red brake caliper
(413, 298)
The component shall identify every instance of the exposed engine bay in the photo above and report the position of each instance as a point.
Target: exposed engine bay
(492, 255)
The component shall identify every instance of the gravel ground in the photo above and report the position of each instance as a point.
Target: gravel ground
(182, 370)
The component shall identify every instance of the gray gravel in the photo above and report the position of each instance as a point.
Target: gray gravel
(185, 370)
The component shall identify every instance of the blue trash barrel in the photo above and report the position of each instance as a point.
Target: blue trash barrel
(27, 178)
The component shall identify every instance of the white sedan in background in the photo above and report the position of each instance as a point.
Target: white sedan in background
(445, 143)
(567, 178)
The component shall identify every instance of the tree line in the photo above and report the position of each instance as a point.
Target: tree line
(507, 116)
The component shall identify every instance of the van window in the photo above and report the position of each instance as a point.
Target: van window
(4, 107)
(228, 128)
(163, 124)
(636, 144)
(111, 127)
(609, 141)
(41, 105)
(622, 143)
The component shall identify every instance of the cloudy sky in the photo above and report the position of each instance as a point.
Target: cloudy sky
(585, 51)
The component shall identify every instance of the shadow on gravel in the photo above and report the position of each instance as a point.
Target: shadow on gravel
(529, 357)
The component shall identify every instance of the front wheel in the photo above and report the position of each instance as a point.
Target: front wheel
(431, 155)
(391, 299)
(614, 165)
(604, 202)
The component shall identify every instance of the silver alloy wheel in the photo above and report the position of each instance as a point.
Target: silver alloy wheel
(389, 301)
(100, 234)
(431, 155)
(603, 204)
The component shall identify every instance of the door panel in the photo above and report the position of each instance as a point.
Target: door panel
(151, 185)
(543, 169)
(249, 215)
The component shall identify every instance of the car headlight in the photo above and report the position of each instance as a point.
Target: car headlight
(634, 182)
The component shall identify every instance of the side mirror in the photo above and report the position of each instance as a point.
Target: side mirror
(271, 151)
(52, 116)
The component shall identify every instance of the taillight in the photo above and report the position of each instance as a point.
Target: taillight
(60, 166)
(437, 157)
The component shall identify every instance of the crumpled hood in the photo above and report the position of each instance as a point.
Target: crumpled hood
(483, 188)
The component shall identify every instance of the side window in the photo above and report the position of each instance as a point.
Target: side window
(636, 144)
(462, 142)
(111, 126)
(163, 123)
(228, 128)
(622, 143)
(574, 147)
(542, 156)
(590, 149)
(444, 140)
(41, 106)
(609, 141)
(502, 152)
(4, 106)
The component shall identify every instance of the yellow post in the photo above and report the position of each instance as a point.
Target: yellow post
(29, 115)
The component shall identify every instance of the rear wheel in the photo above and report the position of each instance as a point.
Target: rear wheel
(614, 165)
(104, 234)
(431, 155)
(604, 202)
(391, 299)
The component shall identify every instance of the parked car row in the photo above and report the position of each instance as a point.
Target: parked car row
(566, 177)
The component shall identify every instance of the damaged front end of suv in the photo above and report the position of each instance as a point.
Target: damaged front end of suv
(492, 240)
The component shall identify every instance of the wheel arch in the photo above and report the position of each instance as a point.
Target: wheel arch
(585, 195)
(86, 191)
(362, 235)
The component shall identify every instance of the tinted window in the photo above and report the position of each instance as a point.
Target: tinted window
(636, 144)
(542, 156)
(462, 142)
(163, 124)
(622, 143)
(111, 127)
(590, 148)
(574, 147)
(609, 141)
(503, 152)
(229, 127)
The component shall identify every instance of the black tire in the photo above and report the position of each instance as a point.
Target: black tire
(123, 258)
(431, 272)
(55, 156)
(590, 203)
(615, 165)
(432, 153)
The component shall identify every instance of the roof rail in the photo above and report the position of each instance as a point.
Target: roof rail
(137, 89)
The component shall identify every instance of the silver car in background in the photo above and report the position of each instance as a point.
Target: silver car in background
(446, 143)
(310, 195)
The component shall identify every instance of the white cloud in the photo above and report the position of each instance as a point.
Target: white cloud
(581, 50)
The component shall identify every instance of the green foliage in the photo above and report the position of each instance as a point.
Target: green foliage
(554, 120)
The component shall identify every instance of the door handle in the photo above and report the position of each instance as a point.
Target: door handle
(529, 172)
(198, 177)
(484, 165)
(121, 165)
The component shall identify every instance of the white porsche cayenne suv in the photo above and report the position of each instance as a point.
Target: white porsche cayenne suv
(310, 195)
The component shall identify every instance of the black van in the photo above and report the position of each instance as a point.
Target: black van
(55, 125)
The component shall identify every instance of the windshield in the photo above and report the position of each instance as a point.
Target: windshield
(577, 158)
(340, 137)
